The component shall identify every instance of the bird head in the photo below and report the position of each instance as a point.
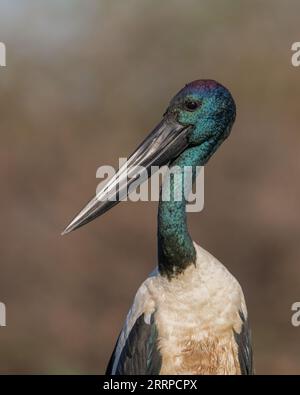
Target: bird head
(207, 107)
(197, 120)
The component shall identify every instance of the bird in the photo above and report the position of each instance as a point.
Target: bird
(189, 316)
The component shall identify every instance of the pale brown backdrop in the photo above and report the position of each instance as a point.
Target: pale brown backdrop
(84, 82)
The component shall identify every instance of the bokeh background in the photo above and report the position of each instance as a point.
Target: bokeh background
(84, 82)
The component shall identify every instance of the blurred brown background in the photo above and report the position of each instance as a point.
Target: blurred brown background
(84, 82)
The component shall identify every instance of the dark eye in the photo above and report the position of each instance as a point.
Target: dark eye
(191, 105)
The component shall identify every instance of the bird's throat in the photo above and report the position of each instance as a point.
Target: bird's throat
(176, 249)
(175, 246)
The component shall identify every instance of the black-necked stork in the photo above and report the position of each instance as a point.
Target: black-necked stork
(189, 316)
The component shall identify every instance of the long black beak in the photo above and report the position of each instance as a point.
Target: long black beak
(161, 146)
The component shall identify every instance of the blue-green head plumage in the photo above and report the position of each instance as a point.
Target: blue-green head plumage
(209, 108)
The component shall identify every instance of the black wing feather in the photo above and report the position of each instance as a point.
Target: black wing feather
(140, 354)
(243, 340)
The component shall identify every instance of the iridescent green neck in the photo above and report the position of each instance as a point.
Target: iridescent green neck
(176, 250)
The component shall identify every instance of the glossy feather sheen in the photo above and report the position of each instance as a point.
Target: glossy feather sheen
(175, 246)
(197, 317)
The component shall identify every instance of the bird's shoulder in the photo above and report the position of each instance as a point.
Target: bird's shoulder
(136, 348)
